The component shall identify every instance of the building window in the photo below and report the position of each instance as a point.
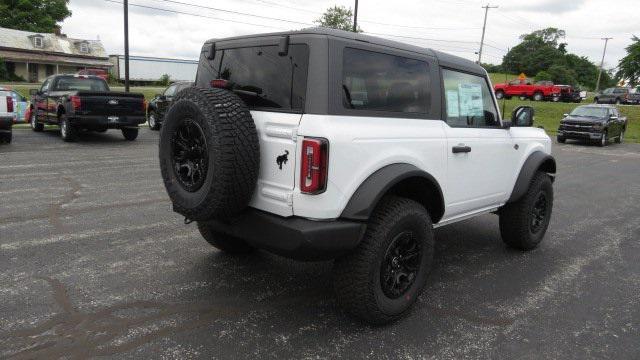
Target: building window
(84, 47)
(37, 41)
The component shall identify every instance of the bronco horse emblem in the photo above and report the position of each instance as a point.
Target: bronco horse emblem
(282, 159)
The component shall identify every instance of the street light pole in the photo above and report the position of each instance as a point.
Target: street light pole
(484, 27)
(126, 45)
(606, 41)
(355, 18)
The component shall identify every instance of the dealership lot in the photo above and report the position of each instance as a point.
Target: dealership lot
(94, 262)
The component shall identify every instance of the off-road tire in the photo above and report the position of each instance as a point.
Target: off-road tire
(561, 139)
(516, 218)
(130, 134)
(68, 132)
(233, 153)
(357, 276)
(223, 242)
(153, 121)
(35, 125)
(6, 137)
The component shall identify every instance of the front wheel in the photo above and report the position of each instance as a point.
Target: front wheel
(604, 140)
(153, 121)
(523, 223)
(538, 97)
(499, 95)
(380, 280)
(130, 134)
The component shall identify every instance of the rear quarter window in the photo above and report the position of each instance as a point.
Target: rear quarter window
(382, 82)
(260, 76)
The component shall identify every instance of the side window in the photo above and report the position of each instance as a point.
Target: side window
(469, 102)
(382, 82)
(171, 90)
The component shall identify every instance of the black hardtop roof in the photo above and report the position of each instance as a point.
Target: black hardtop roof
(444, 59)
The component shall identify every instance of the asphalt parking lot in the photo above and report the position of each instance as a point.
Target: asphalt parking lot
(94, 262)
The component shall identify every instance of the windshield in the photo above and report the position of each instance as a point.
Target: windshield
(80, 83)
(608, 91)
(595, 112)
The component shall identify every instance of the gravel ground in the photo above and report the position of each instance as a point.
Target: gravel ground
(93, 262)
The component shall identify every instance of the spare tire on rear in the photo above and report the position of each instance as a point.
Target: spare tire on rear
(209, 154)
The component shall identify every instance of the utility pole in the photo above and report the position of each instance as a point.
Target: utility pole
(606, 41)
(126, 45)
(484, 27)
(355, 18)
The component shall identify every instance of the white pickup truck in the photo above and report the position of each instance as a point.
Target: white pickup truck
(6, 116)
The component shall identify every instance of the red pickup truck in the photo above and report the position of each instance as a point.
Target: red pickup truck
(527, 89)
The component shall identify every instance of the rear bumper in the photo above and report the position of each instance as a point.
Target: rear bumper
(296, 238)
(6, 123)
(583, 135)
(107, 122)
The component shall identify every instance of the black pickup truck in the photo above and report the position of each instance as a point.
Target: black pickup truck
(84, 102)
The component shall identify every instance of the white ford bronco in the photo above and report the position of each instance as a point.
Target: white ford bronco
(322, 144)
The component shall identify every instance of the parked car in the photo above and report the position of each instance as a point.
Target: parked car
(20, 105)
(6, 116)
(271, 149)
(596, 123)
(101, 73)
(77, 102)
(527, 89)
(570, 94)
(161, 102)
(617, 96)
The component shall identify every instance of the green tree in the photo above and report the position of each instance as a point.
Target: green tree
(629, 66)
(33, 15)
(543, 75)
(164, 80)
(337, 17)
(562, 75)
(537, 51)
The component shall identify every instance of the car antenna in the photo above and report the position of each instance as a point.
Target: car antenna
(504, 98)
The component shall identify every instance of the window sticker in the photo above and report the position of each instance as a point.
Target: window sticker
(453, 104)
(471, 103)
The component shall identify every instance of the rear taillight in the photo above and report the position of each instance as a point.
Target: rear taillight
(76, 103)
(220, 83)
(315, 163)
(9, 104)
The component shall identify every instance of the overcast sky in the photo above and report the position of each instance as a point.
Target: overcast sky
(451, 26)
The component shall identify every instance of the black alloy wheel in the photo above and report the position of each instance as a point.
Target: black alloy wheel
(538, 213)
(189, 155)
(400, 265)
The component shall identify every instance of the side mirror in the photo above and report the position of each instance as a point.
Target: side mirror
(523, 116)
(34, 92)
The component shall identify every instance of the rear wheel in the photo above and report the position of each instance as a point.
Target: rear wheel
(380, 280)
(130, 134)
(618, 102)
(68, 132)
(35, 125)
(223, 242)
(596, 100)
(561, 139)
(523, 223)
(620, 138)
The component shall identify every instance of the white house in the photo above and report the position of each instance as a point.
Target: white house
(34, 56)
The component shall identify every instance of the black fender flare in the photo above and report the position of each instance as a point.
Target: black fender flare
(538, 160)
(366, 197)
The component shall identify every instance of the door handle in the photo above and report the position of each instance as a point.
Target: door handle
(461, 149)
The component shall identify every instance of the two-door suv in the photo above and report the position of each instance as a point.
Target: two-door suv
(323, 144)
